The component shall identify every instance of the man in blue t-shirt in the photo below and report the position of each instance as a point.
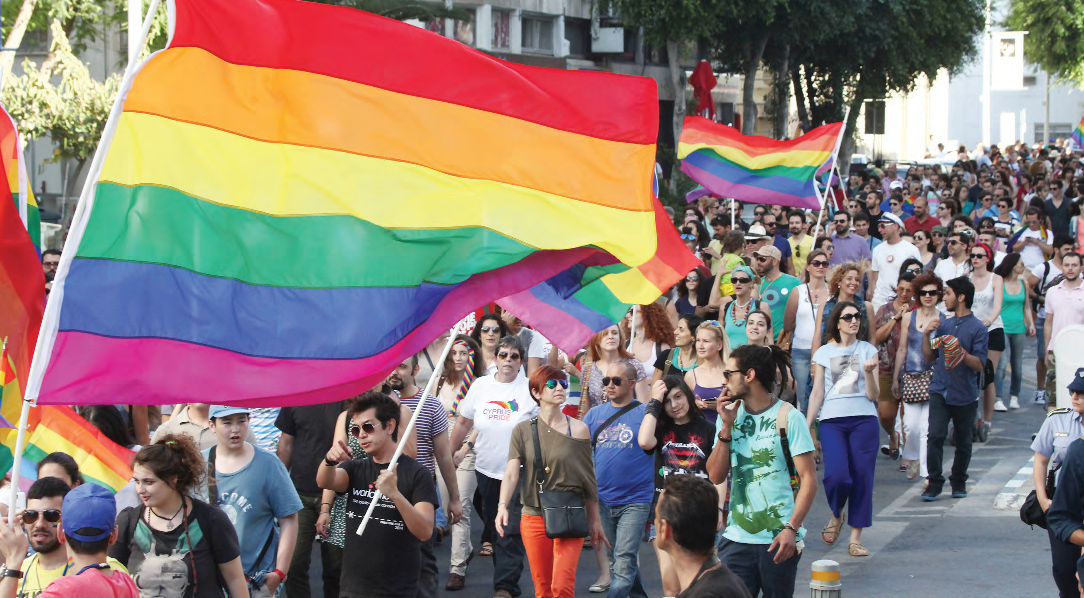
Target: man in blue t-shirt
(254, 489)
(626, 477)
(954, 391)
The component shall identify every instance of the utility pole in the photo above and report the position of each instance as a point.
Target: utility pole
(135, 22)
(1046, 112)
(986, 79)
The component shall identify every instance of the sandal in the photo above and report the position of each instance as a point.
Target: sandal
(912, 470)
(487, 549)
(856, 549)
(833, 530)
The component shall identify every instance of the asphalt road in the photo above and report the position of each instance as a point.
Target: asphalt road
(950, 547)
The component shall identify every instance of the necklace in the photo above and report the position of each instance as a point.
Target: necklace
(168, 520)
(734, 312)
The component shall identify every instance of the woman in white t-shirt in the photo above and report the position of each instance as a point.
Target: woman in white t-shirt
(845, 390)
(493, 406)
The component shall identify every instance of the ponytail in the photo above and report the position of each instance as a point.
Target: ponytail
(175, 460)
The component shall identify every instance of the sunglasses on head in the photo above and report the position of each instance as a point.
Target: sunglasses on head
(552, 384)
(509, 356)
(491, 328)
(849, 317)
(615, 379)
(51, 516)
(369, 428)
(741, 280)
(928, 293)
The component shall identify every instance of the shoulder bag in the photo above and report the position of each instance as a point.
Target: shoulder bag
(1031, 512)
(564, 513)
(915, 388)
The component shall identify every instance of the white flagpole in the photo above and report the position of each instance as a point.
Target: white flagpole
(438, 369)
(731, 213)
(51, 321)
(835, 152)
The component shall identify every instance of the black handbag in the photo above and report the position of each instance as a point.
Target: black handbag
(564, 512)
(1031, 512)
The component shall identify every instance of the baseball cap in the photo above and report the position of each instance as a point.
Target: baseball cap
(756, 232)
(89, 507)
(1078, 381)
(224, 410)
(890, 218)
(895, 185)
(939, 229)
(770, 251)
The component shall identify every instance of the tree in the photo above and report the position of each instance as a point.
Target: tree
(669, 24)
(402, 10)
(883, 47)
(1055, 39)
(72, 113)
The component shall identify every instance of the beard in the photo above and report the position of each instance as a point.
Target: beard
(396, 384)
(45, 547)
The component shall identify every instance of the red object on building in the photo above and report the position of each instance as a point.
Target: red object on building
(703, 81)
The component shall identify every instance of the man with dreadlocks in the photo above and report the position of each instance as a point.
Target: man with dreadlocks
(763, 540)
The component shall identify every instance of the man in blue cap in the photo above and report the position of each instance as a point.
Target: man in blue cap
(86, 531)
(1065, 513)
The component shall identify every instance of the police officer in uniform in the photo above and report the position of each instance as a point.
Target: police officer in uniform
(1058, 448)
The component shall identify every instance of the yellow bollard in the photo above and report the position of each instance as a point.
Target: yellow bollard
(825, 582)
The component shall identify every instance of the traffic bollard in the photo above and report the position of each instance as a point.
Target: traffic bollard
(825, 582)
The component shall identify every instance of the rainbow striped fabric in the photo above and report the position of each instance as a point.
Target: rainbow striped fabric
(299, 196)
(11, 157)
(1078, 135)
(753, 168)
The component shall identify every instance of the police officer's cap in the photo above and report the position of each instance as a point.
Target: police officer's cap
(1078, 381)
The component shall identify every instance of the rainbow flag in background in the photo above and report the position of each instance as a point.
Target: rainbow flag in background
(1078, 136)
(276, 224)
(753, 168)
(11, 157)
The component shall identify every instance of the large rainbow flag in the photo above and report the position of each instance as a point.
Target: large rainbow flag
(300, 196)
(753, 168)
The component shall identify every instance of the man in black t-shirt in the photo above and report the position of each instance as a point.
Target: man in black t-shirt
(686, 521)
(386, 560)
(307, 434)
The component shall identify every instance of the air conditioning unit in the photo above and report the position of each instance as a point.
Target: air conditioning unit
(609, 40)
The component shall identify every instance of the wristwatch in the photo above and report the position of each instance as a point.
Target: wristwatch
(5, 572)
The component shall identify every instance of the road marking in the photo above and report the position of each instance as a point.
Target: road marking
(1016, 489)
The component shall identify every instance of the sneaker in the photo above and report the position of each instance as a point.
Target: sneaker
(891, 453)
(1014, 402)
(1000, 406)
(959, 492)
(930, 494)
(1040, 397)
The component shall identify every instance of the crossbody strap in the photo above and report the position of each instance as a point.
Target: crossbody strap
(212, 478)
(613, 418)
(539, 468)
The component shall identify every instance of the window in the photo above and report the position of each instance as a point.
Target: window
(464, 30)
(538, 35)
(578, 34)
(502, 30)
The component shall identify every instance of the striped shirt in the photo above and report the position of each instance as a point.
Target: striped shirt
(432, 422)
(262, 422)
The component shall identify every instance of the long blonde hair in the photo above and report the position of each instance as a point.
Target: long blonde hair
(720, 336)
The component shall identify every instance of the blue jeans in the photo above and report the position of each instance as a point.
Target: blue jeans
(624, 527)
(1016, 347)
(800, 365)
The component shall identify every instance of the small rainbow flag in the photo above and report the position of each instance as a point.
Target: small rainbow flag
(753, 168)
(275, 224)
(11, 157)
(1078, 136)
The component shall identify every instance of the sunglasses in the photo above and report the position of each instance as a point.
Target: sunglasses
(51, 516)
(819, 264)
(915, 271)
(929, 293)
(978, 256)
(728, 373)
(849, 317)
(692, 277)
(741, 280)
(491, 329)
(688, 237)
(615, 379)
(953, 242)
(938, 234)
(841, 221)
(552, 384)
(761, 258)
(509, 356)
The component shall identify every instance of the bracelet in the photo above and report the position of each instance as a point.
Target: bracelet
(330, 504)
(721, 439)
(330, 463)
(5, 572)
(790, 526)
(502, 504)
(282, 576)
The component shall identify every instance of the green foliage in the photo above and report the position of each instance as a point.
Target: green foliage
(81, 20)
(72, 112)
(667, 20)
(1055, 39)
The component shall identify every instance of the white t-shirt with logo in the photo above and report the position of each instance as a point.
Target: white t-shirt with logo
(496, 408)
(887, 259)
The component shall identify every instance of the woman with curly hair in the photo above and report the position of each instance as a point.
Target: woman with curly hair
(173, 544)
(489, 329)
(844, 285)
(654, 334)
(604, 350)
(686, 300)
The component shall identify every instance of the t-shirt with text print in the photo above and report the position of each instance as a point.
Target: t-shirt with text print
(386, 559)
(682, 449)
(761, 500)
(495, 408)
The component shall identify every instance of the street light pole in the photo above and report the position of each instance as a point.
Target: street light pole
(986, 79)
(135, 20)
